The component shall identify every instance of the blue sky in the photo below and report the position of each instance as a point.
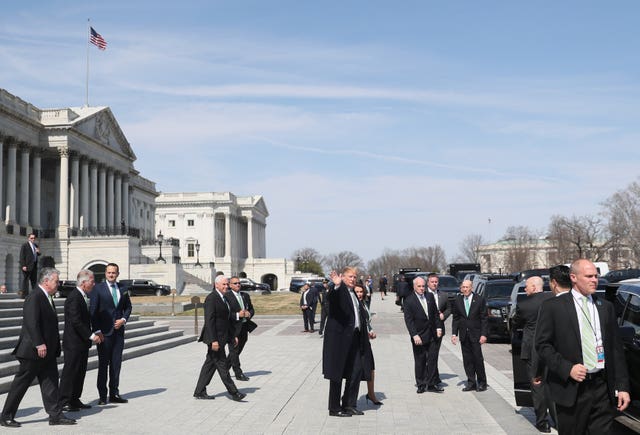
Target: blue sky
(364, 124)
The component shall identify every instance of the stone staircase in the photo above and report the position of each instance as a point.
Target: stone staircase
(142, 337)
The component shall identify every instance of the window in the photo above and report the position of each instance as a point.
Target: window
(190, 222)
(190, 250)
(172, 223)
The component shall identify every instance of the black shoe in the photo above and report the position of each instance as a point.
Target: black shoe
(242, 377)
(421, 389)
(9, 422)
(482, 387)
(543, 427)
(339, 414)
(375, 402)
(80, 405)
(470, 387)
(238, 396)
(61, 420)
(102, 401)
(204, 396)
(70, 408)
(435, 389)
(117, 399)
(352, 411)
(439, 381)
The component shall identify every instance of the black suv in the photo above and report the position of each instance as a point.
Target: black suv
(249, 285)
(497, 292)
(143, 287)
(619, 275)
(298, 282)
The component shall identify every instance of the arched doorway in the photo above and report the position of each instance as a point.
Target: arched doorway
(98, 270)
(270, 279)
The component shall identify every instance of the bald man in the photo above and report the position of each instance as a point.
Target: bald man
(577, 338)
(525, 316)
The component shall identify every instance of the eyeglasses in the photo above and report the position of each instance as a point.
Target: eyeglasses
(234, 283)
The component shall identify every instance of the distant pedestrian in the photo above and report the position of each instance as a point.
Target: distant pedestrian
(383, 282)
(402, 291)
(307, 303)
(324, 306)
(29, 253)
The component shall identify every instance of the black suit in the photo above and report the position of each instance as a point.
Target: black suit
(76, 342)
(104, 312)
(342, 347)
(40, 326)
(588, 404)
(30, 261)
(425, 356)
(243, 326)
(218, 327)
(444, 307)
(324, 305)
(469, 328)
(526, 316)
(310, 299)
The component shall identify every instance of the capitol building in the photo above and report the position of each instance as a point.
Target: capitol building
(68, 176)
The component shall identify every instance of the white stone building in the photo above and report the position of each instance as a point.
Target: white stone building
(221, 230)
(68, 175)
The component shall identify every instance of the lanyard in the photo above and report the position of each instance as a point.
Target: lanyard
(589, 316)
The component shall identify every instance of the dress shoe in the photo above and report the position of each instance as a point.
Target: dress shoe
(9, 422)
(238, 396)
(70, 408)
(435, 389)
(482, 388)
(339, 414)
(543, 427)
(421, 389)
(61, 420)
(242, 377)
(102, 401)
(374, 401)
(352, 411)
(470, 387)
(117, 399)
(80, 405)
(204, 396)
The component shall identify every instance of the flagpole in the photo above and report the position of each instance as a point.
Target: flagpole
(88, 39)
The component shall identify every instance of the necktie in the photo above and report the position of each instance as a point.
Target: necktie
(241, 302)
(423, 302)
(114, 294)
(435, 296)
(466, 304)
(587, 338)
(51, 302)
(354, 299)
(33, 249)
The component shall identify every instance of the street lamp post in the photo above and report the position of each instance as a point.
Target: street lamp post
(198, 254)
(160, 238)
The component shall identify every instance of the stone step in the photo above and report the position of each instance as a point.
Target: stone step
(134, 347)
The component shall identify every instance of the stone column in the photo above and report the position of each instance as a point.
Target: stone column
(125, 202)
(110, 214)
(74, 193)
(227, 235)
(93, 214)
(118, 200)
(250, 237)
(102, 197)
(36, 182)
(63, 200)
(84, 195)
(10, 211)
(24, 186)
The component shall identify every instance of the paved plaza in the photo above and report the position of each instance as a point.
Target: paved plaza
(287, 393)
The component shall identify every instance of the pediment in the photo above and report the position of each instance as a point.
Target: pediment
(103, 128)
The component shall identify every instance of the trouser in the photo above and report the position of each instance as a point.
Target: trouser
(352, 375)
(110, 361)
(473, 361)
(308, 318)
(29, 278)
(215, 360)
(46, 370)
(73, 374)
(538, 395)
(592, 413)
(233, 360)
(424, 358)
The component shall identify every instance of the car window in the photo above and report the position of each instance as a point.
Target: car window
(632, 314)
(499, 290)
(447, 281)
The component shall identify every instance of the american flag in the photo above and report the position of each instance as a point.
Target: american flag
(97, 40)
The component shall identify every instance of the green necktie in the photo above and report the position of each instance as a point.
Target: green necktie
(114, 294)
(466, 304)
(51, 302)
(240, 301)
(587, 338)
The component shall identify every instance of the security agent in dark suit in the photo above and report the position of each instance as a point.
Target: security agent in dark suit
(37, 350)
(29, 253)
(577, 338)
(424, 325)
(324, 306)
(470, 324)
(444, 311)
(218, 331)
(76, 342)
(308, 304)
(344, 337)
(526, 316)
(110, 309)
(241, 312)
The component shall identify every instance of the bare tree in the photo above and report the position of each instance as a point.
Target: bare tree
(623, 211)
(579, 237)
(343, 259)
(519, 255)
(470, 248)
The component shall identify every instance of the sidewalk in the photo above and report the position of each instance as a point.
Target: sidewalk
(287, 393)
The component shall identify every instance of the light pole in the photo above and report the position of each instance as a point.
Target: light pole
(198, 254)
(160, 238)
